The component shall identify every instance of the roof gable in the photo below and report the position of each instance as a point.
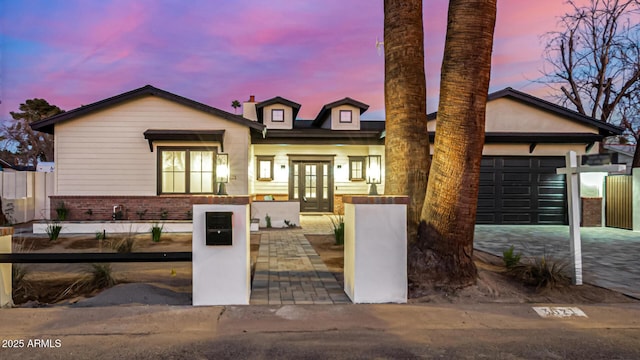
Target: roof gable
(47, 125)
(276, 100)
(543, 105)
(326, 109)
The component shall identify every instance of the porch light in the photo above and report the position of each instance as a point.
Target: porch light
(374, 173)
(222, 172)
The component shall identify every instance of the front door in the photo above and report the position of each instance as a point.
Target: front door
(312, 185)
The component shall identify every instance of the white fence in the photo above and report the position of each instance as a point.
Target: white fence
(25, 195)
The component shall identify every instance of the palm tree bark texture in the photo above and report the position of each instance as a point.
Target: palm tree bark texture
(406, 140)
(443, 255)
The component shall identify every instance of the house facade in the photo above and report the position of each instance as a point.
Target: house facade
(152, 154)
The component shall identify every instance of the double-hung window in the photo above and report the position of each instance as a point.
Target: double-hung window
(356, 168)
(186, 170)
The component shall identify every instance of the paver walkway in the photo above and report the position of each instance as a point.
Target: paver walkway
(289, 271)
(609, 255)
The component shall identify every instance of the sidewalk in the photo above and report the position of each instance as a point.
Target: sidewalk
(418, 331)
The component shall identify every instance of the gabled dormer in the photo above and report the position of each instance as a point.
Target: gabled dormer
(277, 113)
(341, 115)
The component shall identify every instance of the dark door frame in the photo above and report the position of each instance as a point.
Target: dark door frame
(301, 159)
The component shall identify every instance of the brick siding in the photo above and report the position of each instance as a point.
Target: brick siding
(177, 207)
(591, 212)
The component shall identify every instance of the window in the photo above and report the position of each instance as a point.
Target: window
(264, 165)
(277, 115)
(186, 170)
(356, 168)
(345, 116)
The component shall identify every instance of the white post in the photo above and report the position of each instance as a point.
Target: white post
(573, 200)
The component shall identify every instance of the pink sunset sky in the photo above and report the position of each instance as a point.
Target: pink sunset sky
(75, 52)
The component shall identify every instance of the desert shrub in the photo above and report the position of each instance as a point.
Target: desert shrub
(100, 276)
(53, 231)
(337, 222)
(289, 224)
(267, 219)
(543, 273)
(156, 232)
(124, 244)
(510, 259)
(18, 274)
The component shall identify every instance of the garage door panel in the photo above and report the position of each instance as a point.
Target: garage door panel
(487, 203)
(551, 178)
(551, 191)
(516, 190)
(521, 190)
(487, 176)
(551, 204)
(524, 163)
(516, 218)
(516, 204)
(516, 176)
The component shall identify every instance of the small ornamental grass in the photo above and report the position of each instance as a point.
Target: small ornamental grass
(156, 232)
(98, 276)
(53, 231)
(510, 258)
(337, 222)
(124, 243)
(542, 272)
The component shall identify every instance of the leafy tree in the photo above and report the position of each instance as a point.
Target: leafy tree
(443, 254)
(407, 138)
(235, 104)
(30, 146)
(593, 62)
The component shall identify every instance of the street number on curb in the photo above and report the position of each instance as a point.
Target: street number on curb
(558, 312)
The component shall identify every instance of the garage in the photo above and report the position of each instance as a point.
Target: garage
(522, 190)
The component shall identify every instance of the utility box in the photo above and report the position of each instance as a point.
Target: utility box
(219, 228)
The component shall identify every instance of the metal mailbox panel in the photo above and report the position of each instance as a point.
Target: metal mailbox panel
(219, 229)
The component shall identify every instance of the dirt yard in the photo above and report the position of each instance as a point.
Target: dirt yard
(59, 283)
(494, 284)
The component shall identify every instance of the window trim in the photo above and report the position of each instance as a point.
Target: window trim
(362, 160)
(273, 111)
(350, 112)
(268, 158)
(187, 149)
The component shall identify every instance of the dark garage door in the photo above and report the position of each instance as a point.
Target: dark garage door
(522, 190)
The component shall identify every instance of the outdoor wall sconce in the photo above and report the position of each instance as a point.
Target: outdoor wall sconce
(222, 172)
(374, 173)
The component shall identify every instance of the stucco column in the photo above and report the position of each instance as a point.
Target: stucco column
(6, 300)
(375, 248)
(221, 271)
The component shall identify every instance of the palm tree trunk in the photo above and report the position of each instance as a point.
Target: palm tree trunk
(443, 254)
(407, 140)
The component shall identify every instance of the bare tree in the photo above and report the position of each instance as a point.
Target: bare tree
(594, 60)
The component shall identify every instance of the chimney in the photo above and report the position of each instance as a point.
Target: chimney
(249, 109)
